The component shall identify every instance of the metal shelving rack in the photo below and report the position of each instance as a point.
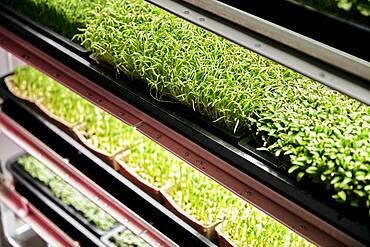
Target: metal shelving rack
(90, 175)
(34, 218)
(225, 159)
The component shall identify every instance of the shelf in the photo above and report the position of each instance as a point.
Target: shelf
(84, 167)
(80, 182)
(33, 217)
(282, 32)
(52, 211)
(222, 157)
(66, 218)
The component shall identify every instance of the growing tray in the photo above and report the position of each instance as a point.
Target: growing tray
(209, 231)
(51, 35)
(250, 144)
(109, 158)
(107, 238)
(120, 163)
(9, 82)
(38, 106)
(223, 240)
(56, 120)
(21, 175)
(62, 219)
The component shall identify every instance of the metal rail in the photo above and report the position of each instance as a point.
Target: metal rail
(30, 215)
(330, 66)
(284, 210)
(81, 183)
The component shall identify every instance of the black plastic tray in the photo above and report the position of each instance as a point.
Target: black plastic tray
(356, 21)
(16, 169)
(248, 143)
(53, 36)
(49, 208)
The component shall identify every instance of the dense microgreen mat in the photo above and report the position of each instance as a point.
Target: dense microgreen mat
(64, 104)
(29, 83)
(107, 133)
(249, 227)
(154, 164)
(326, 136)
(203, 199)
(62, 16)
(184, 63)
(67, 194)
(101, 130)
(209, 202)
(59, 101)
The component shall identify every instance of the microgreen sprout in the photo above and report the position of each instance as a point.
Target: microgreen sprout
(155, 164)
(107, 133)
(126, 238)
(30, 83)
(247, 226)
(57, 99)
(62, 16)
(203, 199)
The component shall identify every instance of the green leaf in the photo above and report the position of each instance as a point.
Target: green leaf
(348, 174)
(345, 182)
(342, 195)
(300, 176)
(312, 170)
(364, 9)
(344, 4)
(335, 180)
(293, 168)
(367, 188)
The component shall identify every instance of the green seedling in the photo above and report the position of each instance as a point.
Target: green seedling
(30, 83)
(109, 134)
(126, 238)
(247, 226)
(155, 164)
(67, 194)
(62, 16)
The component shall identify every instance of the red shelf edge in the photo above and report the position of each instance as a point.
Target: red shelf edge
(34, 218)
